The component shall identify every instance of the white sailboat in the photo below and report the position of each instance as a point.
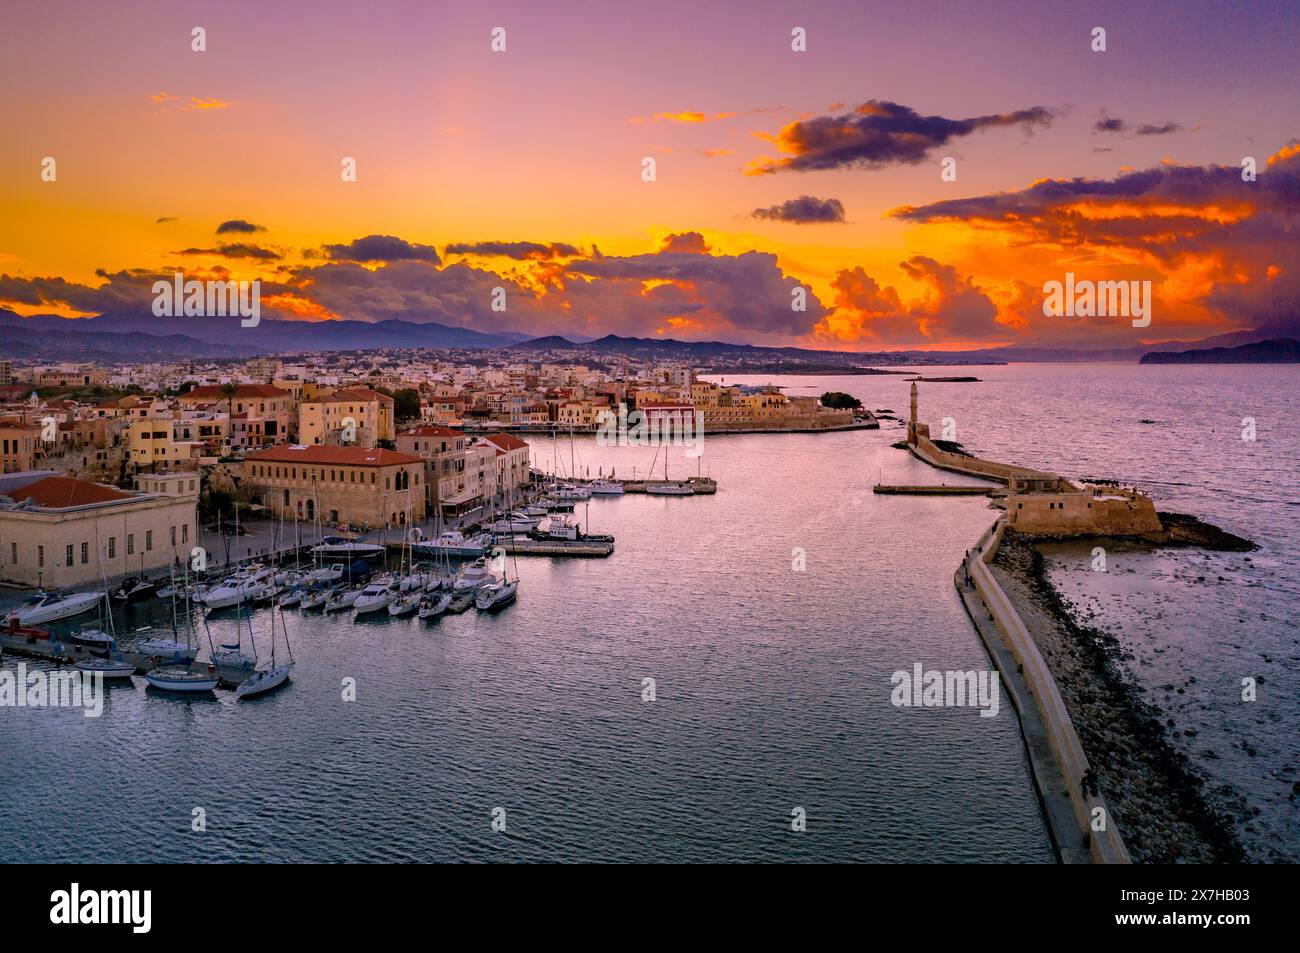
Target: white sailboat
(274, 674)
(184, 678)
(433, 606)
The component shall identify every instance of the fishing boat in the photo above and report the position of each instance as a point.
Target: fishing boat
(135, 589)
(433, 606)
(340, 546)
(472, 576)
(375, 596)
(51, 607)
(605, 488)
(453, 543)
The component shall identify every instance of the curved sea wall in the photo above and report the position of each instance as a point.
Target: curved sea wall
(1103, 846)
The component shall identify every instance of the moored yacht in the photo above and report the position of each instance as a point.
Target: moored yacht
(496, 595)
(51, 607)
(339, 546)
(453, 543)
(605, 488)
(375, 596)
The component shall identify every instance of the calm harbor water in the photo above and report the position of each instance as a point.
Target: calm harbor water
(771, 685)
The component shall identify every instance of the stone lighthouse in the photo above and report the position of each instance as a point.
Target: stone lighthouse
(911, 420)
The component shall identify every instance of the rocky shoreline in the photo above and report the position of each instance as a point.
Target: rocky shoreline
(1157, 798)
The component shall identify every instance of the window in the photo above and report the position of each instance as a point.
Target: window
(112, 547)
(148, 541)
(40, 557)
(173, 536)
(130, 544)
(85, 553)
(13, 553)
(185, 532)
(69, 554)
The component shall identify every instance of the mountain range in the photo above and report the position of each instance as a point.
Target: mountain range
(134, 337)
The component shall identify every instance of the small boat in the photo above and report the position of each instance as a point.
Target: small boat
(453, 543)
(290, 599)
(404, 605)
(496, 595)
(51, 607)
(263, 680)
(669, 489)
(325, 574)
(561, 527)
(538, 509)
(516, 522)
(233, 666)
(339, 546)
(569, 492)
(342, 599)
(181, 680)
(94, 639)
(605, 488)
(243, 586)
(314, 599)
(472, 576)
(375, 596)
(433, 606)
(167, 651)
(105, 667)
(134, 589)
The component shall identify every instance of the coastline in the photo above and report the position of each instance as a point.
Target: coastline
(1158, 798)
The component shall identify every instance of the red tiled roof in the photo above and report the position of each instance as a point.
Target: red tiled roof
(340, 456)
(213, 392)
(505, 441)
(344, 394)
(58, 493)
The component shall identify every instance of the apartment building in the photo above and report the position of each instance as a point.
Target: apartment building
(357, 486)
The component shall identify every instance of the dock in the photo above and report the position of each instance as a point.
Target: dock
(64, 653)
(932, 490)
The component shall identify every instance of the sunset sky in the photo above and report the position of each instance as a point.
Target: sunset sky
(774, 168)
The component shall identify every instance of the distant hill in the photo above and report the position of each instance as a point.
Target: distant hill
(1276, 351)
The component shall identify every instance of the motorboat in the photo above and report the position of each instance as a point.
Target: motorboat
(431, 607)
(669, 489)
(561, 527)
(243, 586)
(167, 651)
(51, 607)
(605, 488)
(375, 596)
(325, 574)
(406, 604)
(181, 680)
(93, 639)
(516, 522)
(569, 492)
(453, 543)
(105, 667)
(496, 595)
(472, 576)
(339, 546)
(263, 680)
(134, 589)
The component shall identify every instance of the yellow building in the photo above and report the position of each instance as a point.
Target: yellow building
(352, 416)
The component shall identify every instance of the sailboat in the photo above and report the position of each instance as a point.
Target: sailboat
(105, 660)
(276, 673)
(666, 488)
(184, 678)
(496, 594)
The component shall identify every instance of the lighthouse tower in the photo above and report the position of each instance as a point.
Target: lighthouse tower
(911, 421)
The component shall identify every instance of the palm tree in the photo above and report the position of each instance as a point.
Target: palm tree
(229, 390)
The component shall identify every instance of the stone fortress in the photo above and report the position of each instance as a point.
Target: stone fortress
(1039, 503)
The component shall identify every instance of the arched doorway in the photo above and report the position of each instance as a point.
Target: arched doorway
(311, 509)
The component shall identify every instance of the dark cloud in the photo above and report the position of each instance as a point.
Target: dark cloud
(804, 210)
(382, 248)
(1107, 124)
(235, 250)
(691, 243)
(1160, 129)
(520, 251)
(880, 133)
(239, 226)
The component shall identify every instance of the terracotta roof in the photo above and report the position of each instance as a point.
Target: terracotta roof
(214, 392)
(506, 441)
(56, 493)
(345, 394)
(341, 456)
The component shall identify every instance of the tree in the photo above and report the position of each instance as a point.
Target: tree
(838, 400)
(406, 404)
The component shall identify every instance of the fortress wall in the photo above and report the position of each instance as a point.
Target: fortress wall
(1080, 514)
